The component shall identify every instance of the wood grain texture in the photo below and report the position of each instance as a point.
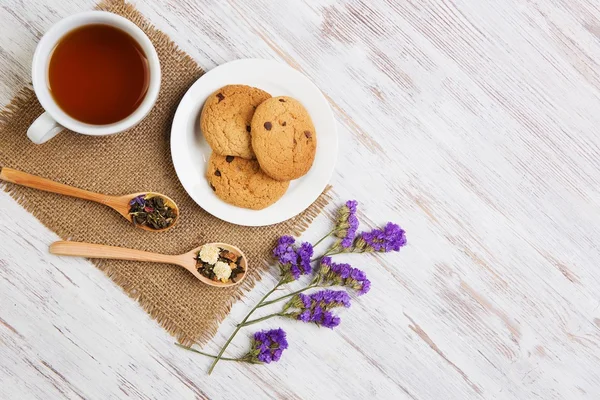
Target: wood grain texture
(471, 123)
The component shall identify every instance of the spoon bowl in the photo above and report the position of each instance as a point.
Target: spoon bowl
(191, 265)
(186, 260)
(121, 204)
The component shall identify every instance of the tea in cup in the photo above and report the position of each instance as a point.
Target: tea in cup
(95, 73)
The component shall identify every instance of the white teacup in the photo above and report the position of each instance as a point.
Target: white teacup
(50, 123)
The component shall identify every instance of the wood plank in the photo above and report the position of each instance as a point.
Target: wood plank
(471, 123)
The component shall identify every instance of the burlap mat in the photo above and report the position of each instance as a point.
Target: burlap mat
(133, 161)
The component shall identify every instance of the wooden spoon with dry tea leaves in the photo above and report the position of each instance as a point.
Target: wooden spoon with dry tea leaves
(229, 267)
(150, 211)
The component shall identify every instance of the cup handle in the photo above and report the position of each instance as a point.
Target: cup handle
(43, 129)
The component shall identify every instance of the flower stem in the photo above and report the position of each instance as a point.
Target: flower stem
(333, 254)
(324, 237)
(254, 321)
(206, 354)
(219, 356)
(266, 303)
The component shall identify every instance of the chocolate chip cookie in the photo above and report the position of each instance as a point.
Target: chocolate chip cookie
(283, 138)
(242, 183)
(226, 116)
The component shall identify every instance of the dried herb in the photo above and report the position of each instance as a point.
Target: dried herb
(151, 211)
(219, 264)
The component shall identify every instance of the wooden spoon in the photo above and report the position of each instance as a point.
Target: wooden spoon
(117, 203)
(187, 260)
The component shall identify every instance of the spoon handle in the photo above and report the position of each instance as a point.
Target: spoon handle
(36, 182)
(91, 250)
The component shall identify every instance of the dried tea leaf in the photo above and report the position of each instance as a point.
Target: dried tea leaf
(152, 212)
(228, 255)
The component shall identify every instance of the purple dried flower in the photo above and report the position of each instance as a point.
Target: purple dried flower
(304, 316)
(305, 253)
(366, 286)
(277, 336)
(277, 354)
(286, 240)
(325, 264)
(351, 204)
(358, 275)
(321, 317)
(342, 298)
(264, 356)
(345, 270)
(347, 224)
(302, 265)
(306, 300)
(348, 239)
(325, 299)
(329, 320)
(316, 307)
(268, 346)
(293, 261)
(328, 299)
(342, 274)
(390, 238)
(317, 314)
(284, 251)
(138, 200)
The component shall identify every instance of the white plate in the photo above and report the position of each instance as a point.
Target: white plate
(190, 151)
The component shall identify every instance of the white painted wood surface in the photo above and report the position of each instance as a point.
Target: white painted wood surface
(472, 123)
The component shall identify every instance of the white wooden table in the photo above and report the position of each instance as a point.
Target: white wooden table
(472, 123)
